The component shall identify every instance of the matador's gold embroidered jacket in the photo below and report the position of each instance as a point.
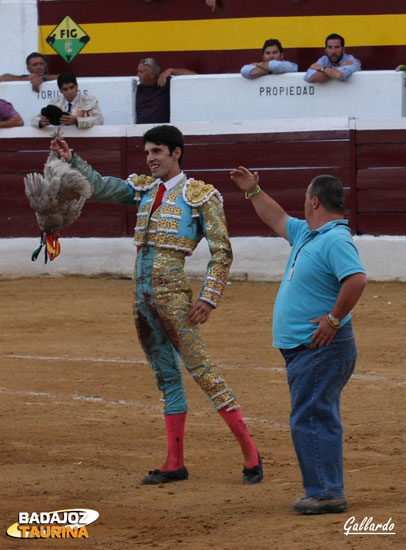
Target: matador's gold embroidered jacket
(192, 210)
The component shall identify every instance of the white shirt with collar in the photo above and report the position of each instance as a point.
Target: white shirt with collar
(66, 107)
(170, 184)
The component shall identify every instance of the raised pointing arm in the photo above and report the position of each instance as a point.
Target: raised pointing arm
(270, 212)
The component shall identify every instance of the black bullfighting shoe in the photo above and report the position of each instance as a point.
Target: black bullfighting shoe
(158, 476)
(253, 475)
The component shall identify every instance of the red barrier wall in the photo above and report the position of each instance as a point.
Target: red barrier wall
(371, 164)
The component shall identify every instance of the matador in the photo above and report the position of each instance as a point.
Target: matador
(174, 214)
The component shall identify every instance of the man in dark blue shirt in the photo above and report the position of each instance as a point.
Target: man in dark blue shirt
(152, 102)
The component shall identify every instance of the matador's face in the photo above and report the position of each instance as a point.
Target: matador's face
(162, 163)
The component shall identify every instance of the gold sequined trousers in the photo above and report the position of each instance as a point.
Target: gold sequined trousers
(162, 302)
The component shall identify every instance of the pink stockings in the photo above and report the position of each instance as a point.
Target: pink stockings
(175, 434)
(236, 423)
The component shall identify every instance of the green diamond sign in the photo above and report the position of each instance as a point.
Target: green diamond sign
(68, 39)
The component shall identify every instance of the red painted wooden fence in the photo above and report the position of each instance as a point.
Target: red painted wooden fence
(371, 164)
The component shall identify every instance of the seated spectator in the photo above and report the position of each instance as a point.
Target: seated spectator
(272, 62)
(9, 116)
(79, 110)
(38, 72)
(336, 64)
(152, 102)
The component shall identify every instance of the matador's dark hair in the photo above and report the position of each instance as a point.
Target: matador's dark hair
(167, 135)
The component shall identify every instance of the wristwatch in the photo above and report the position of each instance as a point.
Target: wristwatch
(323, 69)
(333, 320)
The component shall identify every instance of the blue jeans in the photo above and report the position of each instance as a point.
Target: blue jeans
(316, 379)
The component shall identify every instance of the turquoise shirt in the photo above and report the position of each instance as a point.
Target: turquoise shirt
(318, 263)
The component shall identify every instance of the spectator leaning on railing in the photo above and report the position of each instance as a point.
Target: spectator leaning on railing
(37, 69)
(335, 64)
(152, 102)
(272, 62)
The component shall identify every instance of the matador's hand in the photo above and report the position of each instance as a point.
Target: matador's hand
(199, 312)
(62, 148)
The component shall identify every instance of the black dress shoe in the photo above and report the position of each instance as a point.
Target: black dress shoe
(253, 475)
(157, 476)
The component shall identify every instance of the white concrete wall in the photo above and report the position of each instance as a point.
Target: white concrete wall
(255, 258)
(116, 96)
(232, 98)
(19, 34)
(196, 128)
(368, 94)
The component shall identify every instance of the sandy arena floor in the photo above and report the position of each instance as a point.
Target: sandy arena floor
(81, 424)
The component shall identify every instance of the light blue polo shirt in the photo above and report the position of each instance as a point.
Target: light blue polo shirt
(319, 261)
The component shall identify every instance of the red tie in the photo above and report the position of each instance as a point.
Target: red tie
(159, 196)
(157, 202)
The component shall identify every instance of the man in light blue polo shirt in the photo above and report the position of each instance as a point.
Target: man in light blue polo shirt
(319, 261)
(312, 327)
